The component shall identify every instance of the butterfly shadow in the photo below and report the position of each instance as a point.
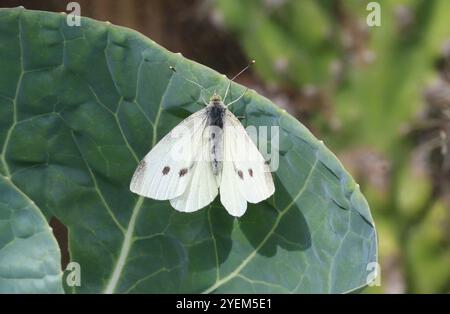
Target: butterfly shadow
(277, 222)
(203, 237)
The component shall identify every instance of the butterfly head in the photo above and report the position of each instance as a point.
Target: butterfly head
(215, 98)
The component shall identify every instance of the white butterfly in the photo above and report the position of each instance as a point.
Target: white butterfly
(207, 152)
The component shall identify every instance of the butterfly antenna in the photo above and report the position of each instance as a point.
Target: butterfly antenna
(242, 71)
(237, 99)
(190, 81)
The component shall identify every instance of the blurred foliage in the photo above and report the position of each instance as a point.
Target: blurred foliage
(374, 78)
(279, 36)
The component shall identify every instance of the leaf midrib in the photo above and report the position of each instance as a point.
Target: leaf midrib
(128, 239)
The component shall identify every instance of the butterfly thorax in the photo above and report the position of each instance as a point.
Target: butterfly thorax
(216, 113)
(216, 116)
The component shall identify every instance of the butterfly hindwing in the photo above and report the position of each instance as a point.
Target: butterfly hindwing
(202, 188)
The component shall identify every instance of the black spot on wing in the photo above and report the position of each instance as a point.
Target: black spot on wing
(141, 165)
(183, 172)
(166, 170)
(250, 172)
(240, 174)
(139, 173)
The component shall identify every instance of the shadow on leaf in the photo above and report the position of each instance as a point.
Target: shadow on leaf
(267, 226)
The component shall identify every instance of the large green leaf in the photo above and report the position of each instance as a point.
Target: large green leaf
(81, 105)
(29, 254)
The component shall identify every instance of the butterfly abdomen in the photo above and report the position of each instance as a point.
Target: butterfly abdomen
(216, 116)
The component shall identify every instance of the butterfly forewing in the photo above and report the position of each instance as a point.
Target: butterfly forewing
(166, 170)
(246, 176)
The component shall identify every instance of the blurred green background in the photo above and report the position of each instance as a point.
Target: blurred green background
(379, 96)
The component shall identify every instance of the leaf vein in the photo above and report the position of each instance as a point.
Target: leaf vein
(248, 259)
(19, 84)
